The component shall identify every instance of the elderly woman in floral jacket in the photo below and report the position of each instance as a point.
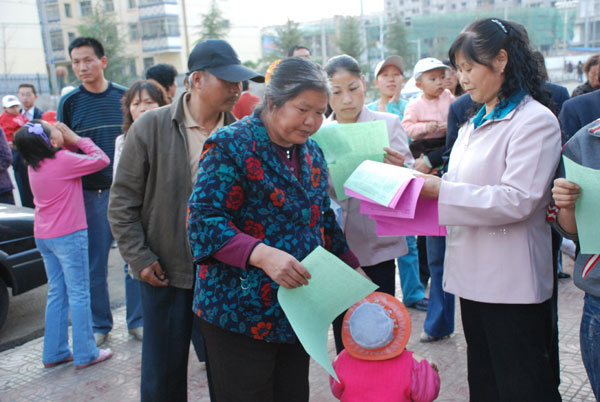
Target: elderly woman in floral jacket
(260, 206)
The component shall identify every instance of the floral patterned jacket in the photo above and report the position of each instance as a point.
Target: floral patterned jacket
(243, 185)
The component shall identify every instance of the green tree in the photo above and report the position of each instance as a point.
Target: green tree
(104, 27)
(289, 35)
(395, 40)
(349, 39)
(213, 25)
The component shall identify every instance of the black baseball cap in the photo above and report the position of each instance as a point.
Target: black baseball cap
(218, 58)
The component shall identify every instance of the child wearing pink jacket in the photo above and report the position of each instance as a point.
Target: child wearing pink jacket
(60, 231)
(375, 366)
(425, 117)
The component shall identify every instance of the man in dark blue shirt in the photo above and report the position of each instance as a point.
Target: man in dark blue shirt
(94, 110)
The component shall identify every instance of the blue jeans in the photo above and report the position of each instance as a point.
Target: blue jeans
(408, 268)
(440, 313)
(66, 262)
(168, 318)
(133, 301)
(100, 240)
(589, 338)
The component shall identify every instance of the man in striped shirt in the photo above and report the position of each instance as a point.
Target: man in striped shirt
(94, 110)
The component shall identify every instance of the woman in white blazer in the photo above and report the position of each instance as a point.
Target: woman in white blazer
(493, 200)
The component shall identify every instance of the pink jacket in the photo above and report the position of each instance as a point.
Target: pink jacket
(57, 191)
(359, 229)
(420, 111)
(401, 379)
(493, 200)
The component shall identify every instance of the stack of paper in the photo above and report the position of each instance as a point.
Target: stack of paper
(346, 146)
(390, 195)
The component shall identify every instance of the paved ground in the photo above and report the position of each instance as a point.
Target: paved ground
(23, 378)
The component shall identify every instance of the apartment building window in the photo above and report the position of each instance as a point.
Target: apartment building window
(160, 27)
(146, 2)
(85, 8)
(109, 6)
(68, 12)
(148, 62)
(134, 31)
(71, 36)
(132, 69)
(52, 12)
(56, 40)
(131, 4)
(454, 6)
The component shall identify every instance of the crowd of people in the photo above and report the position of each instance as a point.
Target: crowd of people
(214, 196)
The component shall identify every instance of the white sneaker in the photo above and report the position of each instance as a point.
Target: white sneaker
(100, 338)
(137, 333)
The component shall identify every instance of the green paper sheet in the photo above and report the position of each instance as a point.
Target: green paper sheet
(345, 146)
(586, 207)
(311, 309)
(379, 182)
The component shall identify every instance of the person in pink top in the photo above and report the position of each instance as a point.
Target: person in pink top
(60, 231)
(375, 365)
(425, 117)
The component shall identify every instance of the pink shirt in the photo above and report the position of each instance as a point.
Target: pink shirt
(401, 379)
(420, 111)
(57, 192)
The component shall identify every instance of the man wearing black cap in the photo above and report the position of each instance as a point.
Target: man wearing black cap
(148, 208)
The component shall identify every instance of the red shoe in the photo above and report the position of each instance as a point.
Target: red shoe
(65, 360)
(103, 354)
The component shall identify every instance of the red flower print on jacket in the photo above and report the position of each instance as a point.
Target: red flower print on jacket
(278, 197)
(202, 269)
(265, 294)
(254, 229)
(235, 199)
(206, 149)
(315, 177)
(261, 330)
(314, 215)
(255, 170)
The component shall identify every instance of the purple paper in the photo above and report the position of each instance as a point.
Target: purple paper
(404, 205)
(424, 223)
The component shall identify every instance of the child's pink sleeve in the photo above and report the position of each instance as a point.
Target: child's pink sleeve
(337, 389)
(425, 382)
(414, 129)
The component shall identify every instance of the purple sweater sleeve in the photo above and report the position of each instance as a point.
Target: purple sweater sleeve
(237, 251)
(425, 382)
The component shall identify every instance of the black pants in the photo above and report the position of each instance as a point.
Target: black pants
(384, 276)
(508, 352)
(250, 370)
(168, 321)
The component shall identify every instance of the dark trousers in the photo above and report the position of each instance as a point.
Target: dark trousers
(384, 276)
(424, 273)
(7, 198)
(508, 352)
(168, 320)
(22, 179)
(251, 370)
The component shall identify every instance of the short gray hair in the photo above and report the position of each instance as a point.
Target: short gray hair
(290, 78)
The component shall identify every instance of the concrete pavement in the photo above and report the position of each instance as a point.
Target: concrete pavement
(23, 377)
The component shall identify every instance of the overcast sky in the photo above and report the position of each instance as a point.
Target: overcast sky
(276, 12)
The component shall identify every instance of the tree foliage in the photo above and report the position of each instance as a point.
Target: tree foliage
(289, 35)
(349, 39)
(396, 42)
(103, 26)
(213, 25)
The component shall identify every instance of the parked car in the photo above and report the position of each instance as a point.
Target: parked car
(21, 265)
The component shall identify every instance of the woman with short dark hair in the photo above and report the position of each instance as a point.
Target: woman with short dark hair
(493, 200)
(260, 206)
(591, 68)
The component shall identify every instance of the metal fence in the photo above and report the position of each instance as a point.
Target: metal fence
(10, 83)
